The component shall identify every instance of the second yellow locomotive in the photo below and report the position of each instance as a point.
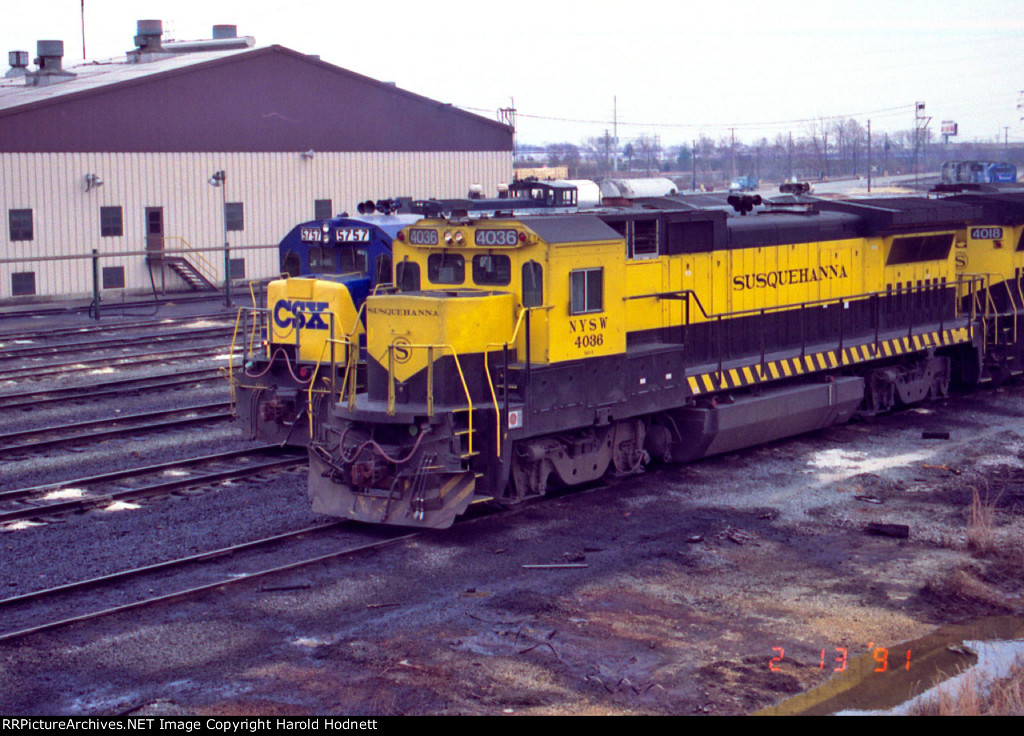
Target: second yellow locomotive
(523, 353)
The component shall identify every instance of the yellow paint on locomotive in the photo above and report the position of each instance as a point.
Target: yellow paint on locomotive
(407, 324)
(725, 283)
(307, 312)
(978, 252)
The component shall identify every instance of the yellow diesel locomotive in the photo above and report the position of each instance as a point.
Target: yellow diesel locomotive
(517, 354)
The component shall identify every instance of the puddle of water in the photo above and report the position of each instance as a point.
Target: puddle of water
(838, 465)
(934, 659)
(995, 660)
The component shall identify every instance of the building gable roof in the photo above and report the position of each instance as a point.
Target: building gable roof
(265, 99)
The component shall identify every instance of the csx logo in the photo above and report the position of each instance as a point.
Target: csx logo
(308, 315)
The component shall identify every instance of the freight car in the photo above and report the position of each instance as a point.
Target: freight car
(520, 354)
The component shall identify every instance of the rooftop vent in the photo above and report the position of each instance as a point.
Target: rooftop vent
(148, 33)
(148, 46)
(19, 64)
(151, 48)
(48, 62)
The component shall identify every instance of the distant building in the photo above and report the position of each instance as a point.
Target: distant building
(119, 156)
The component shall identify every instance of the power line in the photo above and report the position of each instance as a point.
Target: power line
(699, 126)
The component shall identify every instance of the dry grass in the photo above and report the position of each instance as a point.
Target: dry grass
(978, 694)
(962, 583)
(981, 525)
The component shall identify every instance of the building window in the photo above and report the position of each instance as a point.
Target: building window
(322, 209)
(238, 268)
(110, 222)
(23, 284)
(113, 277)
(587, 290)
(234, 216)
(20, 222)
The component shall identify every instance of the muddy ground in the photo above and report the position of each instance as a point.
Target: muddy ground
(720, 587)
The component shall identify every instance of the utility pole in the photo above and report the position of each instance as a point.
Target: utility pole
(869, 156)
(732, 150)
(789, 163)
(920, 128)
(1006, 141)
(615, 128)
(693, 160)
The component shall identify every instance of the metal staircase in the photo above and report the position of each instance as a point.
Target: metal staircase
(189, 273)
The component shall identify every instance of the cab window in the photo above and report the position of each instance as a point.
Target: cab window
(490, 270)
(382, 270)
(407, 276)
(292, 264)
(533, 284)
(586, 288)
(353, 260)
(446, 268)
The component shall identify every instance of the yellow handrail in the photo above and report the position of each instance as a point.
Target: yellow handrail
(430, 347)
(490, 382)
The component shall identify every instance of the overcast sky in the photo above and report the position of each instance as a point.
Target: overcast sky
(678, 69)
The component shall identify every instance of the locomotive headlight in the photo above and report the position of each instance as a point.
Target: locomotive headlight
(459, 240)
(448, 237)
(326, 228)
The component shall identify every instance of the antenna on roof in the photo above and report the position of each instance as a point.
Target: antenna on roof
(83, 30)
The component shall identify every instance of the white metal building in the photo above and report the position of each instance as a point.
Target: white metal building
(118, 157)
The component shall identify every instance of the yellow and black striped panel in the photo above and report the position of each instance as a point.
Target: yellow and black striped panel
(749, 375)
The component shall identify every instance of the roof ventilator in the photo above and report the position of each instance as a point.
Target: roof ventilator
(49, 69)
(147, 41)
(19, 64)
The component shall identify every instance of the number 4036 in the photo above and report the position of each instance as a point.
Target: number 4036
(838, 663)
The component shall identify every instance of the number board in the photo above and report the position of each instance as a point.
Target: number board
(420, 236)
(352, 235)
(986, 233)
(310, 235)
(496, 237)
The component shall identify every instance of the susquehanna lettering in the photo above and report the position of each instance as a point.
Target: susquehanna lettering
(789, 277)
(395, 312)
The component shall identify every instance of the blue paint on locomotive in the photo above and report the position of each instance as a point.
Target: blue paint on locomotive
(355, 251)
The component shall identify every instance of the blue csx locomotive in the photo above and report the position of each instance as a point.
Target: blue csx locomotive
(331, 266)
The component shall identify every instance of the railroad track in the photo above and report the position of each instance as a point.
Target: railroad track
(46, 438)
(20, 609)
(100, 389)
(79, 494)
(6, 337)
(120, 361)
(41, 352)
